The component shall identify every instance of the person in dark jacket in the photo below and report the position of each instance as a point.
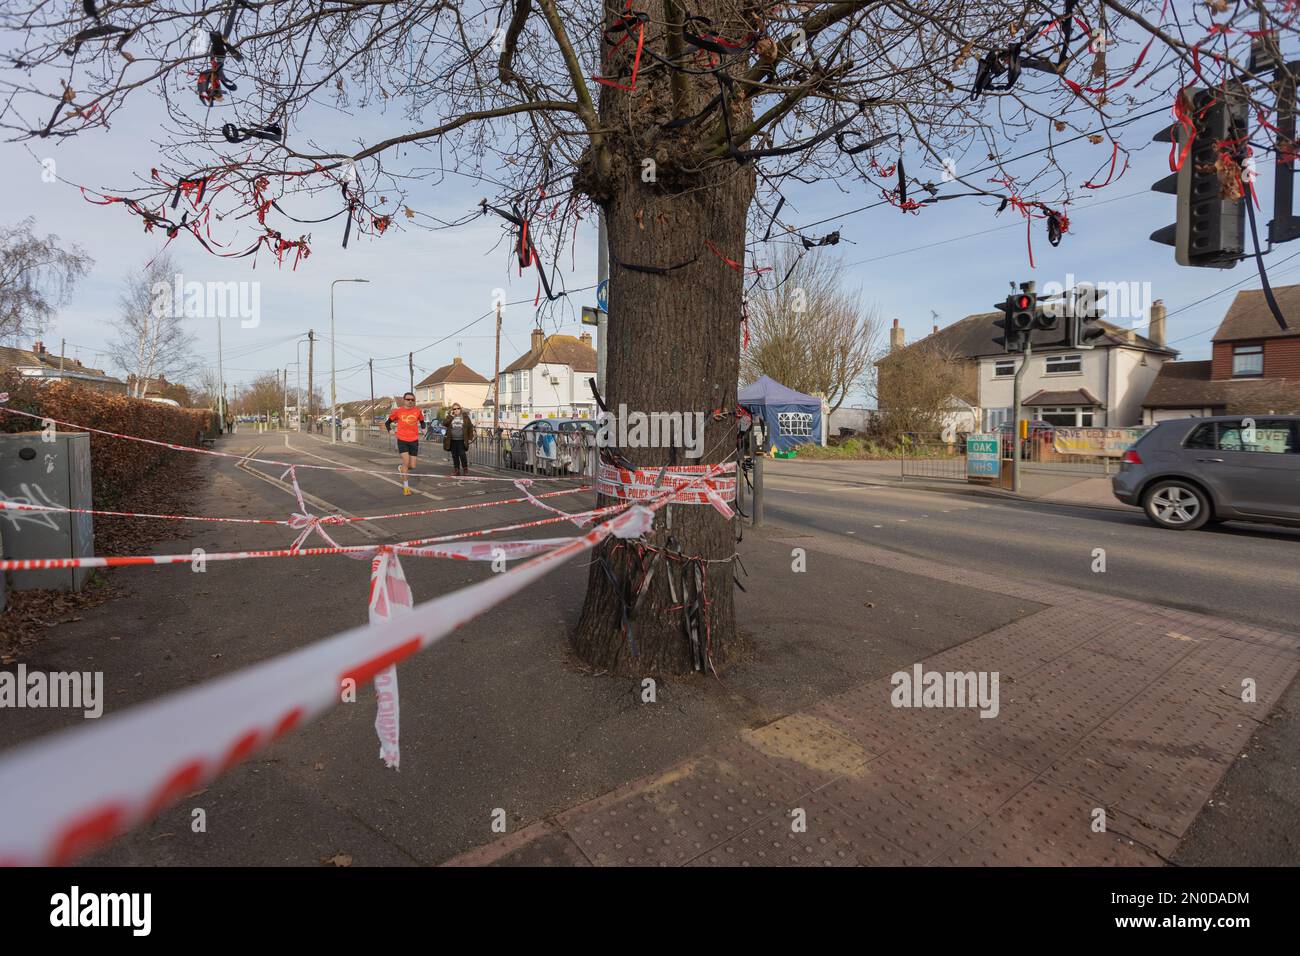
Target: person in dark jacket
(459, 433)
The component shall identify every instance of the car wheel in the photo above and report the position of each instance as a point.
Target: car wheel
(1177, 505)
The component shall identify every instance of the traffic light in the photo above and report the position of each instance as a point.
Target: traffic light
(1021, 315)
(1017, 319)
(1208, 231)
(1085, 318)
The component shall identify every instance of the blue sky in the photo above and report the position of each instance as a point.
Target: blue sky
(424, 285)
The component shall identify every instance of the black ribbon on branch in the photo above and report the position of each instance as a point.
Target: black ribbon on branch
(271, 133)
(712, 42)
(525, 248)
(213, 82)
(98, 31)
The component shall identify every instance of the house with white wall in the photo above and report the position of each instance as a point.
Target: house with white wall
(550, 380)
(1101, 387)
(452, 384)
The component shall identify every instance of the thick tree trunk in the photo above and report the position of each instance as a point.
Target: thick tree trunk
(673, 346)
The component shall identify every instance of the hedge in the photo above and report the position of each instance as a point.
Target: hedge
(116, 465)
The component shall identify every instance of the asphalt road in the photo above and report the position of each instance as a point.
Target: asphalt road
(1243, 572)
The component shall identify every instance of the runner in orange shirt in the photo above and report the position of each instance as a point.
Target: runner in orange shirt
(409, 421)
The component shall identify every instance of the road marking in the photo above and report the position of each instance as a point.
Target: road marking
(366, 528)
(391, 481)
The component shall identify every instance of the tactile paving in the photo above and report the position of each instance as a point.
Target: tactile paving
(673, 818)
(830, 839)
(1045, 826)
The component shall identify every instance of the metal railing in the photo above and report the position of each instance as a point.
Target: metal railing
(927, 457)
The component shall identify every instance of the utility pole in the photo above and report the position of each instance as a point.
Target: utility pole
(372, 393)
(311, 395)
(496, 377)
(221, 379)
(1015, 415)
(410, 361)
(284, 415)
(602, 317)
(63, 347)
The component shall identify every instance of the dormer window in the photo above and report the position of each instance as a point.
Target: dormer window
(1247, 361)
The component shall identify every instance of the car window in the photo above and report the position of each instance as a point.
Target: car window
(1262, 435)
(1202, 436)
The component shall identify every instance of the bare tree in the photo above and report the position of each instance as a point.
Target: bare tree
(682, 120)
(809, 332)
(152, 340)
(205, 387)
(915, 388)
(37, 275)
(262, 396)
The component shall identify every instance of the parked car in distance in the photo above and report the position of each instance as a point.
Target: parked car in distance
(1186, 472)
(516, 454)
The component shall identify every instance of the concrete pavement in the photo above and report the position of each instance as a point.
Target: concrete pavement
(1117, 721)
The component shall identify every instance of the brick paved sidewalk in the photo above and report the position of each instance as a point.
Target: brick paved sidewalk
(1107, 706)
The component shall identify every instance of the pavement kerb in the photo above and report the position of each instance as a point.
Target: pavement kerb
(959, 489)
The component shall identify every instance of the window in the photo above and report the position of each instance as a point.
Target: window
(1004, 367)
(1202, 436)
(1247, 360)
(1064, 363)
(1067, 416)
(518, 384)
(795, 424)
(1259, 436)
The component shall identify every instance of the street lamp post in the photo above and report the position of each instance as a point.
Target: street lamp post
(334, 406)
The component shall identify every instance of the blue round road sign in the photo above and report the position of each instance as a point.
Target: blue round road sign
(602, 295)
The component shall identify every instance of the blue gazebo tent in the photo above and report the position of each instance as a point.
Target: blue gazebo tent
(792, 418)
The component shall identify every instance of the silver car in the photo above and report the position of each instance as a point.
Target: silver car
(1186, 472)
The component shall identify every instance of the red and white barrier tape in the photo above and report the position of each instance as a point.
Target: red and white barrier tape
(390, 597)
(523, 483)
(690, 484)
(459, 551)
(334, 519)
(76, 790)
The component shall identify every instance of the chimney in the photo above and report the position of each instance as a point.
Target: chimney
(895, 337)
(934, 330)
(38, 347)
(538, 339)
(1156, 322)
(456, 360)
(585, 339)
